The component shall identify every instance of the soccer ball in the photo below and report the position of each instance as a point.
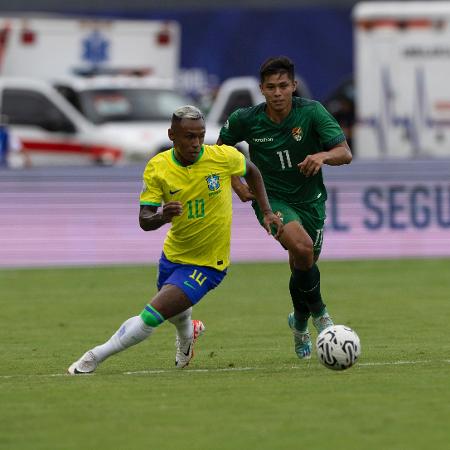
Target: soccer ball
(338, 347)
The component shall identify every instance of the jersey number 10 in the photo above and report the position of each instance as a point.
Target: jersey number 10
(196, 208)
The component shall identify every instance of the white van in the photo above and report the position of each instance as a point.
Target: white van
(133, 112)
(89, 122)
(51, 131)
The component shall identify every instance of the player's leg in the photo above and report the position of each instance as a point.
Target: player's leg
(169, 301)
(183, 322)
(297, 243)
(298, 320)
(301, 312)
(131, 332)
(305, 272)
(195, 282)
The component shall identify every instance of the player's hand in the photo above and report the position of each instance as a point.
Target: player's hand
(273, 220)
(244, 193)
(311, 164)
(170, 210)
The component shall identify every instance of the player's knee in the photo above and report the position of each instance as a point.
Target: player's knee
(303, 250)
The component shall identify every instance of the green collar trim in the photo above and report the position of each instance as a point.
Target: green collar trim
(175, 160)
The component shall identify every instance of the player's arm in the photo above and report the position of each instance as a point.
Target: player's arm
(254, 179)
(336, 156)
(241, 189)
(152, 219)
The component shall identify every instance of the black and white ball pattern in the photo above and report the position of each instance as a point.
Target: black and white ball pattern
(338, 347)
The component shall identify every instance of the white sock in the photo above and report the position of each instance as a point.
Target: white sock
(183, 323)
(131, 332)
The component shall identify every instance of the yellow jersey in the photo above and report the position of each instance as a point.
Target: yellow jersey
(202, 234)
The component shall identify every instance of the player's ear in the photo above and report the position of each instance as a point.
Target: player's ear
(171, 134)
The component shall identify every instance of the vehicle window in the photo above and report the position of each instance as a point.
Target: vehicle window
(238, 99)
(27, 107)
(70, 94)
(130, 105)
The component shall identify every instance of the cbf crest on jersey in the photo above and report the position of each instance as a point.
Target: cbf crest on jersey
(213, 182)
(297, 133)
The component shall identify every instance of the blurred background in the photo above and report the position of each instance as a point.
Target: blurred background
(87, 89)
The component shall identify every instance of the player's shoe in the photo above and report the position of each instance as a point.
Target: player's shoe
(85, 365)
(302, 339)
(322, 322)
(185, 347)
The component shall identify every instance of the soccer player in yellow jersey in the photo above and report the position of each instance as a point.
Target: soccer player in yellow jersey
(188, 186)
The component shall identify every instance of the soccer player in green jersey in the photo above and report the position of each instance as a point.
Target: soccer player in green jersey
(188, 186)
(290, 139)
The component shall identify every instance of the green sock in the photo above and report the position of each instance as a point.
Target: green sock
(151, 316)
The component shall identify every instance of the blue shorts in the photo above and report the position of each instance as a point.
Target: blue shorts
(194, 281)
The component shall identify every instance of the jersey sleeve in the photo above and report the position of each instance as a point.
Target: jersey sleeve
(329, 131)
(151, 193)
(232, 131)
(236, 161)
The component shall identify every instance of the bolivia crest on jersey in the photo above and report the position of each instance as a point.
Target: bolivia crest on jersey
(213, 182)
(297, 133)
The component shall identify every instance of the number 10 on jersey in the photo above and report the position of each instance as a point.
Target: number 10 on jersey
(196, 208)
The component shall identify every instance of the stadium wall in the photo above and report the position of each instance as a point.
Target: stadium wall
(52, 217)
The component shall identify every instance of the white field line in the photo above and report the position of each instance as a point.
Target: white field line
(232, 369)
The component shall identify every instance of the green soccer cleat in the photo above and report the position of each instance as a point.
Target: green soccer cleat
(322, 322)
(302, 339)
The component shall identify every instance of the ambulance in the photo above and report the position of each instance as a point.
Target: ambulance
(88, 91)
(402, 72)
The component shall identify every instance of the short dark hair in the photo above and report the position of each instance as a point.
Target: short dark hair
(277, 65)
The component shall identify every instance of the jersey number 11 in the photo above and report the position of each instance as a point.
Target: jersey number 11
(285, 159)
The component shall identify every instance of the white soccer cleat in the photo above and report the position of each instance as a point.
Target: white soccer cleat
(185, 347)
(85, 365)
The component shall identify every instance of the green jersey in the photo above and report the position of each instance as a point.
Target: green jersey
(277, 148)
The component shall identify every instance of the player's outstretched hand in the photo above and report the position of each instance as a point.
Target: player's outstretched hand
(273, 220)
(170, 210)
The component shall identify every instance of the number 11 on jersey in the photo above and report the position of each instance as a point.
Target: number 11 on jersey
(285, 159)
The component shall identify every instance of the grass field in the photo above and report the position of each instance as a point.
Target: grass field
(245, 388)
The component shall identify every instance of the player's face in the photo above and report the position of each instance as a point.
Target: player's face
(277, 90)
(187, 137)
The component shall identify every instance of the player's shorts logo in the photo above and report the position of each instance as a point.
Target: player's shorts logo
(297, 133)
(213, 182)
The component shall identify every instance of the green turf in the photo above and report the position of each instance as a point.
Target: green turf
(251, 392)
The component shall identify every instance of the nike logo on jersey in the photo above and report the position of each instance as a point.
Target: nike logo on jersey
(174, 192)
(189, 284)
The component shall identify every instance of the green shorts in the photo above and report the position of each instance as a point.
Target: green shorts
(311, 216)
